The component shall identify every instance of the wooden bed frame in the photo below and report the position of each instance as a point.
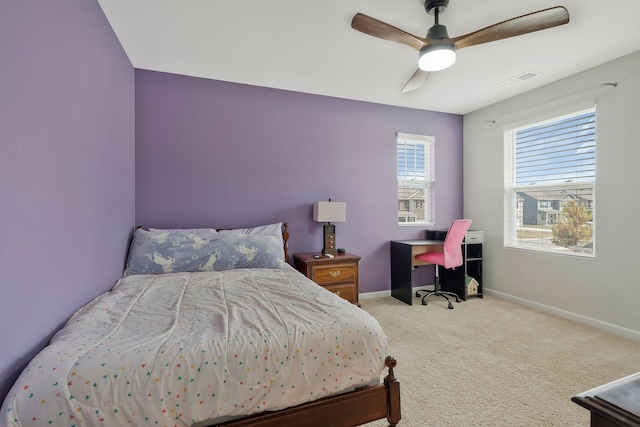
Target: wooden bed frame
(344, 410)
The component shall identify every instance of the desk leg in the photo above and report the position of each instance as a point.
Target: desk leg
(401, 260)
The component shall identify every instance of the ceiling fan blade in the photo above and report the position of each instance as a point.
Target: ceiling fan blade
(416, 81)
(524, 24)
(382, 30)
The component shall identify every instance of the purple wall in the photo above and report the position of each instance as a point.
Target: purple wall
(66, 168)
(210, 153)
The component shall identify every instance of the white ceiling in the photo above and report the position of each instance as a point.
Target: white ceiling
(309, 46)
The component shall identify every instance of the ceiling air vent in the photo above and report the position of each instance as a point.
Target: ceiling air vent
(527, 75)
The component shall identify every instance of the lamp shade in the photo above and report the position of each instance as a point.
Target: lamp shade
(330, 211)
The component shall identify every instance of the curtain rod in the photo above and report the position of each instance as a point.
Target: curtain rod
(615, 84)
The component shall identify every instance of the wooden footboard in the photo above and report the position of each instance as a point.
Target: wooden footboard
(345, 410)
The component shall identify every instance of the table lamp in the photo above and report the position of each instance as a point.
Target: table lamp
(329, 212)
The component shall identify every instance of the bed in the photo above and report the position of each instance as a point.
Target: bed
(210, 328)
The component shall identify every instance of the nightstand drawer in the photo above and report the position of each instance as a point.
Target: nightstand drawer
(327, 274)
(347, 291)
(338, 274)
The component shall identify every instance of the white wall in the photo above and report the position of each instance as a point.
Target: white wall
(604, 291)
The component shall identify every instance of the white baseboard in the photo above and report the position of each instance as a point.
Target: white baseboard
(609, 327)
(372, 295)
(382, 294)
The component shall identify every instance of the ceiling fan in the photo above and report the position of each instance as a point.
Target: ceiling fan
(438, 51)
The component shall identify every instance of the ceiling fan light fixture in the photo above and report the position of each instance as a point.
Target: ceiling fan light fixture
(436, 57)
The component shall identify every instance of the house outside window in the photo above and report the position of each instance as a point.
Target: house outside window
(549, 183)
(416, 179)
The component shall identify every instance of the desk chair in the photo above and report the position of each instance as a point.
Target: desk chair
(450, 257)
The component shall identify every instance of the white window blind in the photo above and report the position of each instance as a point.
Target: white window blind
(416, 179)
(550, 178)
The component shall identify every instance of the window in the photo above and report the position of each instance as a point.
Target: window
(416, 179)
(549, 187)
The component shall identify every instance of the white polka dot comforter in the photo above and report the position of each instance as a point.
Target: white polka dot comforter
(177, 349)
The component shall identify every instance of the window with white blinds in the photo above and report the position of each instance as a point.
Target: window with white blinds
(416, 179)
(550, 175)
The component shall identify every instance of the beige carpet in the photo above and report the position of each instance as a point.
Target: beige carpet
(490, 362)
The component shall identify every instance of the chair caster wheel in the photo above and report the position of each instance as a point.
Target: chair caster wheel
(424, 302)
(450, 306)
(458, 301)
(418, 294)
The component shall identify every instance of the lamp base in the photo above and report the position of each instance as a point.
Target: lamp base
(329, 239)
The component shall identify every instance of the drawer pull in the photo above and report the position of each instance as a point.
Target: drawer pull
(334, 273)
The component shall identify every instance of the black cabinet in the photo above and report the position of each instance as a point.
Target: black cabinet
(458, 279)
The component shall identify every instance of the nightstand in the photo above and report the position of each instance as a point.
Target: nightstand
(338, 274)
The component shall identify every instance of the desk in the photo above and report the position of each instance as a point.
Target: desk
(614, 404)
(403, 261)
